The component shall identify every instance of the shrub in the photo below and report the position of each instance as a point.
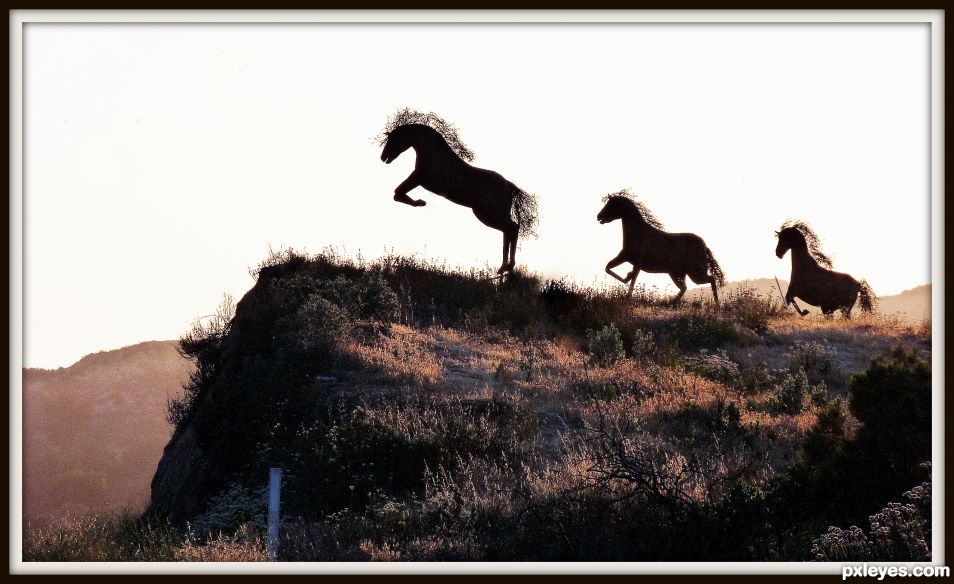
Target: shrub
(605, 346)
(751, 309)
(700, 329)
(379, 301)
(817, 360)
(315, 328)
(644, 343)
(716, 366)
(892, 402)
(202, 345)
(901, 532)
(793, 392)
(528, 359)
(230, 509)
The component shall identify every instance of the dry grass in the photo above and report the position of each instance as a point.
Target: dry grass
(401, 357)
(127, 538)
(243, 546)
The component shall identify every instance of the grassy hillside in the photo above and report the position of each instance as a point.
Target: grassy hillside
(93, 432)
(422, 413)
(911, 307)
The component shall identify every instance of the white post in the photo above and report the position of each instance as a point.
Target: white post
(274, 496)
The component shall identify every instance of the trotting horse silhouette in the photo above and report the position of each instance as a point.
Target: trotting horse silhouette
(812, 277)
(650, 249)
(442, 168)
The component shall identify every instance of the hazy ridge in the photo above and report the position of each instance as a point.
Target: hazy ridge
(94, 431)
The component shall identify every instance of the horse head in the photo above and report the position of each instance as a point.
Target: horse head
(798, 234)
(397, 141)
(788, 238)
(616, 207)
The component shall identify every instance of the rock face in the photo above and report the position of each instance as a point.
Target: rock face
(257, 389)
(192, 468)
(176, 486)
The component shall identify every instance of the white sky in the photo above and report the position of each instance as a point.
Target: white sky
(162, 160)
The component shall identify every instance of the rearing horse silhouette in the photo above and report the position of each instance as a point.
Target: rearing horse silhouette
(650, 249)
(442, 168)
(812, 277)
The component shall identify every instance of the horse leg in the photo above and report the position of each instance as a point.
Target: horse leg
(632, 280)
(680, 281)
(615, 262)
(797, 309)
(705, 278)
(409, 184)
(510, 233)
(514, 233)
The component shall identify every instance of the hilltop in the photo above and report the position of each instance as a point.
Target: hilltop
(425, 413)
(910, 306)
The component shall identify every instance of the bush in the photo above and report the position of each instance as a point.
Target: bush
(605, 346)
(752, 310)
(901, 532)
(716, 366)
(840, 478)
(315, 328)
(203, 345)
(644, 343)
(793, 392)
(699, 329)
(528, 359)
(229, 510)
(817, 360)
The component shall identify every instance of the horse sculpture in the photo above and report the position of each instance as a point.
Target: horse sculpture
(443, 168)
(648, 248)
(812, 277)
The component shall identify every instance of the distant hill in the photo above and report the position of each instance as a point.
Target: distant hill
(912, 306)
(94, 432)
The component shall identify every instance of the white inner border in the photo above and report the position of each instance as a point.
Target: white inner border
(20, 17)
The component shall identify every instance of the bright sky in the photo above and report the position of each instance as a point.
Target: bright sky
(162, 160)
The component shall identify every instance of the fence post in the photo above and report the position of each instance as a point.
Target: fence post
(274, 496)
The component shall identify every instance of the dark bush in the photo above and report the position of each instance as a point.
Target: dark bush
(840, 479)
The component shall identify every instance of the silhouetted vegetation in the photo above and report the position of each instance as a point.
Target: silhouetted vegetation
(426, 413)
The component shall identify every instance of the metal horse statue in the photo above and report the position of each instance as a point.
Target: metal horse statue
(443, 168)
(650, 249)
(812, 277)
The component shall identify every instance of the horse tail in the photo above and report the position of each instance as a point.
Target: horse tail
(867, 296)
(525, 212)
(715, 268)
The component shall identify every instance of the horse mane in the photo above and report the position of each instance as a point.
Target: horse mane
(648, 215)
(447, 130)
(811, 240)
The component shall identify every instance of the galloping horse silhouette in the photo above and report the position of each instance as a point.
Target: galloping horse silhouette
(650, 249)
(812, 277)
(442, 168)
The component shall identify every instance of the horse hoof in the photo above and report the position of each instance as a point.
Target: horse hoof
(419, 203)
